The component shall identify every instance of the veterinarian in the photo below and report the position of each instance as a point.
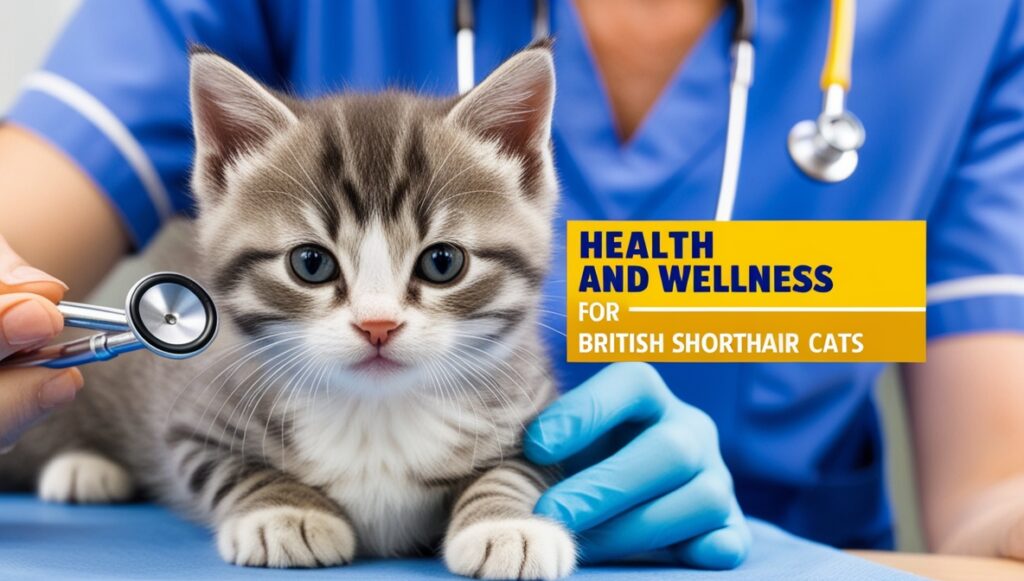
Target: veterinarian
(95, 154)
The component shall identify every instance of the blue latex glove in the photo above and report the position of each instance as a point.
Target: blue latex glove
(647, 474)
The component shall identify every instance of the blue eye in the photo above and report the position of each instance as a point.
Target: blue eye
(440, 263)
(313, 264)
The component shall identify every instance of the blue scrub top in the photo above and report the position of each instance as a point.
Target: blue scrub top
(939, 86)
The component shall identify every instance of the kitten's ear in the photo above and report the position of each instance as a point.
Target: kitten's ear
(231, 113)
(514, 103)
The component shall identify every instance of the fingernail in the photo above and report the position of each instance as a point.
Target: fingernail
(61, 389)
(26, 323)
(25, 274)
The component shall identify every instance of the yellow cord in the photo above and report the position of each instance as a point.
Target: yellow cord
(840, 45)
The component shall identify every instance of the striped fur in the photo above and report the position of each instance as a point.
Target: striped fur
(280, 437)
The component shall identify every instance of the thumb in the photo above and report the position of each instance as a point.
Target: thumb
(27, 394)
(17, 276)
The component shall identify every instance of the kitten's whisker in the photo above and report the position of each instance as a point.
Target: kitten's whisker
(248, 389)
(295, 380)
(234, 367)
(322, 199)
(550, 328)
(218, 359)
(298, 201)
(516, 350)
(467, 395)
(434, 174)
(267, 382)
(292, 178)
(311, 398)
(437, 196)
(438, 388)
(486, 383)
(492, 360)
(493, 385)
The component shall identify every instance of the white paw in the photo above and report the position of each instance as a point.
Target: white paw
(531, 548)
(286, 536)
(84, 477)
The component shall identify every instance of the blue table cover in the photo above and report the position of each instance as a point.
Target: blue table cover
(145, 541)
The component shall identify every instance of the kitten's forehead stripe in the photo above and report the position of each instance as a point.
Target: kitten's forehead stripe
(474, 296)
(413, 174)
(331, 168)
(354, 200)
(373, 131)
(255, 323)
(414, 292)
(281, 297)
(231, 275)
(514, 260)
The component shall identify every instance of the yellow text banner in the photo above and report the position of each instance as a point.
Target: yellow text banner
(746, 291)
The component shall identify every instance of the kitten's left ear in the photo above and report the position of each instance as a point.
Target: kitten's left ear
(513, 105)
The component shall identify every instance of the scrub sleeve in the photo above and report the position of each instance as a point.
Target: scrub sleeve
(113, 95)
(976, 230)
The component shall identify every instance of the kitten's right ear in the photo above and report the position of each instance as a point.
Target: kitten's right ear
(231, 113)
(513, 105)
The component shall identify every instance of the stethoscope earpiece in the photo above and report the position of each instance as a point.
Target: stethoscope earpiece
(166, 313)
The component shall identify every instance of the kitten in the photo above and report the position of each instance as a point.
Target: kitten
(379, 259)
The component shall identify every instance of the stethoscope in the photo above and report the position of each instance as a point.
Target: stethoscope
(167, 313)
(824, 148)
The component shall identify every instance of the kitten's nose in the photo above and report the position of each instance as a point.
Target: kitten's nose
(377, 331)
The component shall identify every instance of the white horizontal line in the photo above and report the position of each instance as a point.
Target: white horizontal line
(971, 287)
(776, 309)
(104, 119)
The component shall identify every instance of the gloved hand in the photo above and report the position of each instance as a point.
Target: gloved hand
(646, 472)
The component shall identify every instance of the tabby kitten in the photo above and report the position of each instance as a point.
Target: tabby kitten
(380, 260)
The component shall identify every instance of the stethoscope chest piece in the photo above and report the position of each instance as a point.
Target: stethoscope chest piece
(826, 148)
(171, 315)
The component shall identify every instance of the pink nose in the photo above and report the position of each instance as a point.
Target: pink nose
(377, 332)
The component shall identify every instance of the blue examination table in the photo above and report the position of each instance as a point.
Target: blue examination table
(143, 541)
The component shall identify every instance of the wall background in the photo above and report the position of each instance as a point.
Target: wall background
(26, 30)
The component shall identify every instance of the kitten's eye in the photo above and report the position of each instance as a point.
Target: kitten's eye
(313, 264)
(440, 263)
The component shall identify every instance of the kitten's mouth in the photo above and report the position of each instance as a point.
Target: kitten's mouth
(378, 363)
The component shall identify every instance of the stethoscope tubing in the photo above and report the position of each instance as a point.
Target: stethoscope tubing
(817, 155)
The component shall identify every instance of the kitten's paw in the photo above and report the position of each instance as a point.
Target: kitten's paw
(84, 477)
(286, 536)
(530, 548)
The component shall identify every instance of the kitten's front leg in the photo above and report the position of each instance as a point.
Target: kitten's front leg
(494, 534)
(264, 517)
(275, 521)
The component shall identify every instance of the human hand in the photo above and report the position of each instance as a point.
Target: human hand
(29, 319)
(666, 490)
(991, 524)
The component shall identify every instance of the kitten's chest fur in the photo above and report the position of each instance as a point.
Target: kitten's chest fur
(394, 463)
